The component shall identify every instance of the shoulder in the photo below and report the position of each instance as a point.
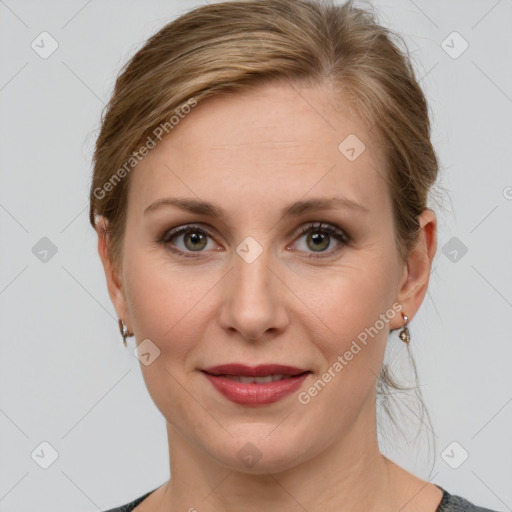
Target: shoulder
(128, 507)
(455, 503)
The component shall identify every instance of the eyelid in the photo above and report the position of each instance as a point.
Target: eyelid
(178, 230)
(324, 226)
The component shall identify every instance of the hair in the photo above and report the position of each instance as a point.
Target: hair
(221, 48)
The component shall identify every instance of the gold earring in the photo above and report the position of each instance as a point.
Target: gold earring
(404, 334)
(124, 331)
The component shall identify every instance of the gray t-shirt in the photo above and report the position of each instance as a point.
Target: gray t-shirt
(449, 503)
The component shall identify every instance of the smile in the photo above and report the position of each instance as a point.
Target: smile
(255, 386)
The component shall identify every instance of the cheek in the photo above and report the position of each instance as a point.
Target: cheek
(356, 310)
(165, 307)
(349, 298)
(352, 311)
(158, 295)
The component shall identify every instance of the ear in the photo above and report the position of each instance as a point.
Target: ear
(416, 274)
(112, 274)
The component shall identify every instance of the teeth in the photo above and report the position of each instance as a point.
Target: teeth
(257, 380)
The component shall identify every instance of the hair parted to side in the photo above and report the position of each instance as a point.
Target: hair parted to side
(232, 46)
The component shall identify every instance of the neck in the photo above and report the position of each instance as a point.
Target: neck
(348, 475)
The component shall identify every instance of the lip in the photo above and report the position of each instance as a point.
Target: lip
(253, 371)
(254, 394)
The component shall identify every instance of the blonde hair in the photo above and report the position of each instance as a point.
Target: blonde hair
(235, 45)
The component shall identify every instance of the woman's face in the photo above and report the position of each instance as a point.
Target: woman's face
(249, 288)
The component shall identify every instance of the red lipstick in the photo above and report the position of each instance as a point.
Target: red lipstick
(259, 385)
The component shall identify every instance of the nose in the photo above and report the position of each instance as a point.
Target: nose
(253, 301)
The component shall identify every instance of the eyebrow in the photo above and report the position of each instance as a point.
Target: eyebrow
(293, 210)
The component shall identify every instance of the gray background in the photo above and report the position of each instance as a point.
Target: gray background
(65, 377)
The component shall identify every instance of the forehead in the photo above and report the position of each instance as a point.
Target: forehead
(276, 142)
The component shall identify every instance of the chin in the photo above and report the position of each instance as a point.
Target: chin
(254, 451)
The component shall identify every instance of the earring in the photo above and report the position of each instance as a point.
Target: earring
(124, 331)
(404, 334)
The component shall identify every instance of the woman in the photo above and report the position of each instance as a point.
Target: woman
(260, 196)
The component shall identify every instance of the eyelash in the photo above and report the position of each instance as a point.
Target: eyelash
(323, 227)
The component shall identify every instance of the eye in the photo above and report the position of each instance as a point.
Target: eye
(319, 237)
(194, 239)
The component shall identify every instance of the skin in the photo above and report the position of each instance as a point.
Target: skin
(252, 154)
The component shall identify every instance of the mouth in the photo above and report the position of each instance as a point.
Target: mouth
(260, 385)
(257, 380)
